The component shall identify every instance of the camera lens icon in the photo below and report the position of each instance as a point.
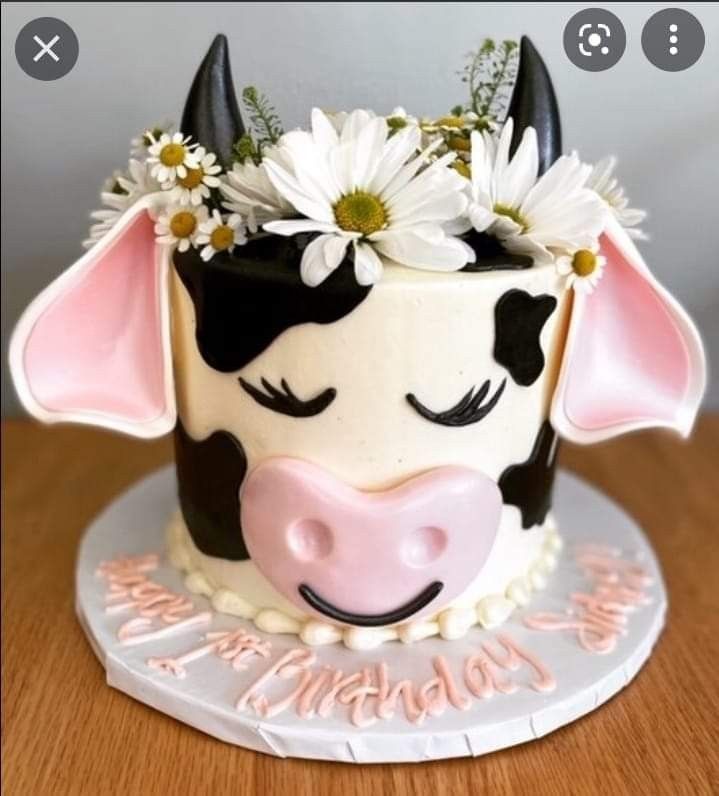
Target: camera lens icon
(594, 39)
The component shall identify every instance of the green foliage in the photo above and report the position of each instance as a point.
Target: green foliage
(489, 74)
(244, 148)
(266, 127)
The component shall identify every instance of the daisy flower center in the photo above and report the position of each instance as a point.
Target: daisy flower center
(450, 121)
(193, 178)
(172, 155)
(584, 262)
(183, 224)
(460, 144)
(360, 212)
(513, 214)
(222, 237)
(462, 168)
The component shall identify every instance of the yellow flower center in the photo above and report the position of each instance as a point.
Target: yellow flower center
(193, 178)
(462, 168)
(172, 155)
(510, 212)
(450, 121)
(222, 237)
(584, 262)
(360, 212)
(183, 224)
(459, 144)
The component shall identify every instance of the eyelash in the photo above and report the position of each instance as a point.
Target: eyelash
(468, 410)
(285, 402)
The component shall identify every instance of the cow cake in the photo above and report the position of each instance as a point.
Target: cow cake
(367, 338)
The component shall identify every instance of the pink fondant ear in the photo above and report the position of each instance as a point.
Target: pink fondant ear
(633, 357)
(94, 346)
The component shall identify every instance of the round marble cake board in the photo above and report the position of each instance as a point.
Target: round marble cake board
(206, 697)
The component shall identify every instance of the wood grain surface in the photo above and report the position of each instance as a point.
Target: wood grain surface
(66, 732)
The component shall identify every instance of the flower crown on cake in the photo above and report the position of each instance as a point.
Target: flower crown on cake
(309, 214)
(428, 194)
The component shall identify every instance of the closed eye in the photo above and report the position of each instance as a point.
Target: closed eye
(470, 408)
(285, 401)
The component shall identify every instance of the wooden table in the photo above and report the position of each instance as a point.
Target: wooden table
(65, 731)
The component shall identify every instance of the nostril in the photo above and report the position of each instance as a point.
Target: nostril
(309, 540)
(423, 546)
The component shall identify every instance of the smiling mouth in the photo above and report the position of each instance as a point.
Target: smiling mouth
(371, 620)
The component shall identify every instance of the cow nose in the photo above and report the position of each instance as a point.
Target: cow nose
(368, 557)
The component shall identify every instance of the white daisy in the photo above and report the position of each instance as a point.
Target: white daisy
(195, 186)
(170, 157)
(218, 234)
(540, 217)
(583, 269)
(399, 118)
(179, 225)
(119, 192)
(141, 143)
(250, 193)
(602, 180)
(363, 187)
(338, 119)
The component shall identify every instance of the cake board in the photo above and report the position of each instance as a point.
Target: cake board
(207, 693)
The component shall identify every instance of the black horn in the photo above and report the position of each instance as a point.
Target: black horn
(211, 114)
(534, 104)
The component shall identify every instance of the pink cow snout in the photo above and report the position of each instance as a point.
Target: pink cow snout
(368, 558)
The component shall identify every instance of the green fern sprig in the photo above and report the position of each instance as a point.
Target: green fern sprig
(490, 74)
(265, 129)
(265, 120)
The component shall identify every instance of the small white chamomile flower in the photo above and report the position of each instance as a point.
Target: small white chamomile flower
(179, 225)
(170, 157)
(118, 193)
(140, 144)
(195, 186)
(219, 234)
(583, 269)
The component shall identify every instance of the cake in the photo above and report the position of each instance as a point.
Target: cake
(367, 340)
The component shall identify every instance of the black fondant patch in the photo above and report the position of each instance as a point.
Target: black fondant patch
(209, 474)
(518, 321)
(285, 401)
(491, 255)
(243, 301)
(470, 408)
(417, 603)
(528, 486)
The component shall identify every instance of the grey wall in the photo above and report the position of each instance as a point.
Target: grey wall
(60, 139)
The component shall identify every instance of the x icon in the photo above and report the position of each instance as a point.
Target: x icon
(46, 48)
